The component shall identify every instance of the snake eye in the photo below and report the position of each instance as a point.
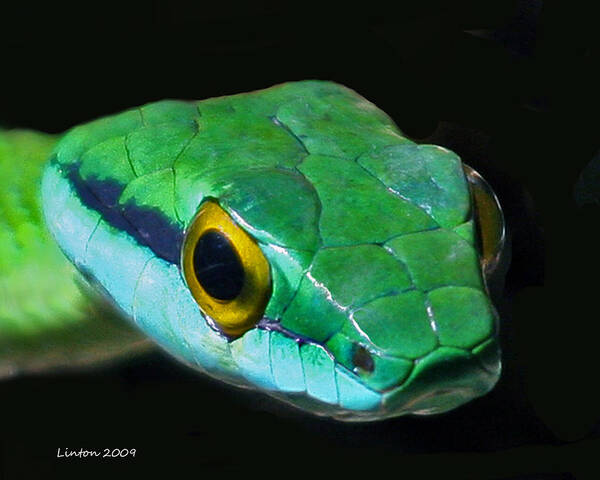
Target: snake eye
(489, 220)
(225, 270)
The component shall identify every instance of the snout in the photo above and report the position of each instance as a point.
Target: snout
(446, 379)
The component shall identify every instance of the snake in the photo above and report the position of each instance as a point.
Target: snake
(290, 240)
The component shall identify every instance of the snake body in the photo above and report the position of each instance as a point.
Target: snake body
(370, 301)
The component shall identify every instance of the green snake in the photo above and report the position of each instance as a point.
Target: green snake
(290, 240)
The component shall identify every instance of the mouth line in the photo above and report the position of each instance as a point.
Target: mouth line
(266, 323)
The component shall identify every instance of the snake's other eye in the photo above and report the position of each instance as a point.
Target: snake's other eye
(225, 270)
(489, 220)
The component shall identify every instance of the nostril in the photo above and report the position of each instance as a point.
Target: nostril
(362, 359)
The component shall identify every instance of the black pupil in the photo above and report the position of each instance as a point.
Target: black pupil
(217, 266)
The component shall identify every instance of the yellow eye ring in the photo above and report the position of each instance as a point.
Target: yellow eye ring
(213, 242)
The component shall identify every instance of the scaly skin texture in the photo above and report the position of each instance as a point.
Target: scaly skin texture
(378, 305)
(48, 317)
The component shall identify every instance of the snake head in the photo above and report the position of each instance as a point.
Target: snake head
(290, 240)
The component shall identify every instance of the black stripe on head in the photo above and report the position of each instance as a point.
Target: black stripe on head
(147, 225)
(160, 234)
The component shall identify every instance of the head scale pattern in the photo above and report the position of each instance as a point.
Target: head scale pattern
(378, 305)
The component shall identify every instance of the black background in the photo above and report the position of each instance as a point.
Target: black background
(510, 86)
